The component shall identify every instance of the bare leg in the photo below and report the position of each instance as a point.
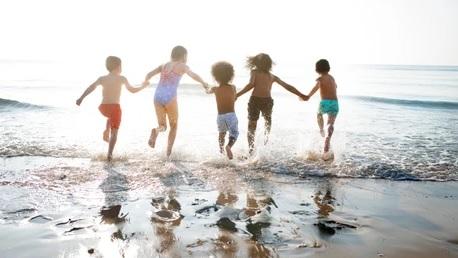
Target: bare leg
(319, 119)
(229, 147)
(113, 139)
(327, 141)
(251, 135)
(162, 125)
(172, 114)
(221, 142)
(268, 126)
(106, 133)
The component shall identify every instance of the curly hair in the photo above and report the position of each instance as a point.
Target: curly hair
(223, 72)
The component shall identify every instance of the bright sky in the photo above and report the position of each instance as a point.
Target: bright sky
(292, 32)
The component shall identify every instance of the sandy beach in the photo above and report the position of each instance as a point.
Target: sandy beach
(85, 208)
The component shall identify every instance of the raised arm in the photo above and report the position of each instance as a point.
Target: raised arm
(289, 87)
(88, 91)
(131, 88)
(248, 87)
(196, 77)
(151, 74)
(317, 86)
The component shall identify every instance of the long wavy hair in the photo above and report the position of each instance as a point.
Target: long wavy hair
(261, 62)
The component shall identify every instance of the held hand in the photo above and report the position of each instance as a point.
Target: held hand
(304, 97)
(78, 101)
(145, 84)
(206, 88)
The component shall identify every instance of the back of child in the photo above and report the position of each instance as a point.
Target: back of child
(111, 93)
(225, 95)
(329, 104)
(261, 102)
(165, 96)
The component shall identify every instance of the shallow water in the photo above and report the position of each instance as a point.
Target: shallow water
(396, 122)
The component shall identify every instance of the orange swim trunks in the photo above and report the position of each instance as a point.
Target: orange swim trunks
(113, 113)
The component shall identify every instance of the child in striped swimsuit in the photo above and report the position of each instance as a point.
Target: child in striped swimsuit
(165, 96)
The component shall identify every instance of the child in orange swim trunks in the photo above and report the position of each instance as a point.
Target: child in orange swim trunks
(110, 108)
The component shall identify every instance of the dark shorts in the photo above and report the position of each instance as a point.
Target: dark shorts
(258, 105)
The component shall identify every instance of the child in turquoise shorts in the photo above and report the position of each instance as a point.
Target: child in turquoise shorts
(329, 104)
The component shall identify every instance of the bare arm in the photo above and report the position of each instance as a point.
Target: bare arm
(317, 86)
(132, 89)
(288, 87)
(248, 87)
(196, 78)
(88, 91)
(151, 74)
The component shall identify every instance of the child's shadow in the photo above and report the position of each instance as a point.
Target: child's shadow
(115, 188)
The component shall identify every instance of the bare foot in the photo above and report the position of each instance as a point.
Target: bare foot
(327, 156)
(169, 152)
(322, 133)
(152, 138)
(110, 158)
(229, 152)
(251, 152)
(106, 135)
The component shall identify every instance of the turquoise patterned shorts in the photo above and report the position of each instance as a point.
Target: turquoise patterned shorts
(329, 106)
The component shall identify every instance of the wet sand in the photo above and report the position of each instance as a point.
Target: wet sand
(84, 208)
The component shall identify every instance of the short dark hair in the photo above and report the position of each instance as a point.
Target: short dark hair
(322, 66)
(112, 62)
(178, 52)
(261, 62)
(223, 72)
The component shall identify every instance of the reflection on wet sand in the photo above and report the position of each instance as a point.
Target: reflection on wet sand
(258, 209)
(165, 219)
(324, 199)
(227, 199)
(233, 241)
(325, 202)
(226, 243)
(115, 189)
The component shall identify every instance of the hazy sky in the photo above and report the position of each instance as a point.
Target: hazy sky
(293, 32)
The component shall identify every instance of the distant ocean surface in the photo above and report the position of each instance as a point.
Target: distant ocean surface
(396, 122)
